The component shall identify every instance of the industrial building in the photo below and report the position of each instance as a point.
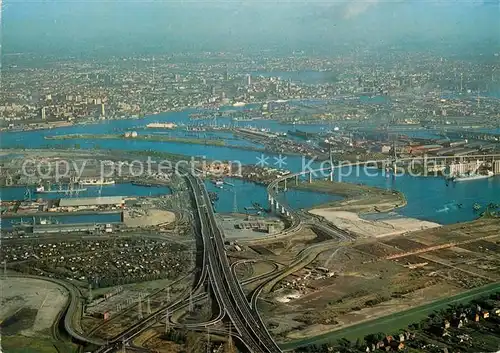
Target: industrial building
(258, 226)
(116, 201)
(64, 228)
(74, 227)
(423, 149)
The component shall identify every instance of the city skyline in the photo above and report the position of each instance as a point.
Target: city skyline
(123, 27)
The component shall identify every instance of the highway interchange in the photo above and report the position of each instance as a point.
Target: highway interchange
(216, 278)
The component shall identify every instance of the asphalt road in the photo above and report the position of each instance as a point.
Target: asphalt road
(226, 287)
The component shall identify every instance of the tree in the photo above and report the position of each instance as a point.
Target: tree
(373, 338)
(358, 344)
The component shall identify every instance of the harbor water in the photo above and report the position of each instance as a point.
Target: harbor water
(119, 189)
(428, 198)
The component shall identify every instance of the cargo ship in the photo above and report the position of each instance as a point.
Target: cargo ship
(302, 134)
(96, 182)
(143, 183)
(246, 118)
(469, 177)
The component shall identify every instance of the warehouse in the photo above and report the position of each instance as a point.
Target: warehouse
(85, 202)
(65, 228)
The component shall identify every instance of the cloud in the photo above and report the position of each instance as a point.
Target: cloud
(348, 9)
(354, 8)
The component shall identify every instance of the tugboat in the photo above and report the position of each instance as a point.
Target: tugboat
(218, 183)
(259, 207)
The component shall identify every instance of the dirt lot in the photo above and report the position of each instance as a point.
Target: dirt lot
(151, 217)
(371, 228)
(362, 285)
(39, 301)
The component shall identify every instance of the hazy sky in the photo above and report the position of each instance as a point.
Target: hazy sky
(121, 27)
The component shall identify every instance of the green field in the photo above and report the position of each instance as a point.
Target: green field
(23, 344)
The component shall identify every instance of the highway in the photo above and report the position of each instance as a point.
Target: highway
(250, 329)
(248, 324)
(193, 295)
(216, 269)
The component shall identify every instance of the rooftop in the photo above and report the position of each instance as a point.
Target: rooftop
(91, 201)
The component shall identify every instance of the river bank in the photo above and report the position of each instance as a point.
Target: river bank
(157, 138)
(357, 197)
(154, 138)
(361, 199)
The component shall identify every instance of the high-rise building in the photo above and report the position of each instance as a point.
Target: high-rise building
(177, 77)
(248, 80)
(212, 90)
(43, 113)
(107, 80)
(103, 111)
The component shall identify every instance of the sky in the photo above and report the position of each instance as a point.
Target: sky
(92, 27)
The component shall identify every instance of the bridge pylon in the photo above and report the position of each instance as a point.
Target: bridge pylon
(139, 309)
(167, 323)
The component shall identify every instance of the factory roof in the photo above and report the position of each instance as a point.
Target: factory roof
(464, 151)
(427, 147)
(89, 201)
(59, 228)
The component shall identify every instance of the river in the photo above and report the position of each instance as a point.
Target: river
(126, 189)
(428, 198)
